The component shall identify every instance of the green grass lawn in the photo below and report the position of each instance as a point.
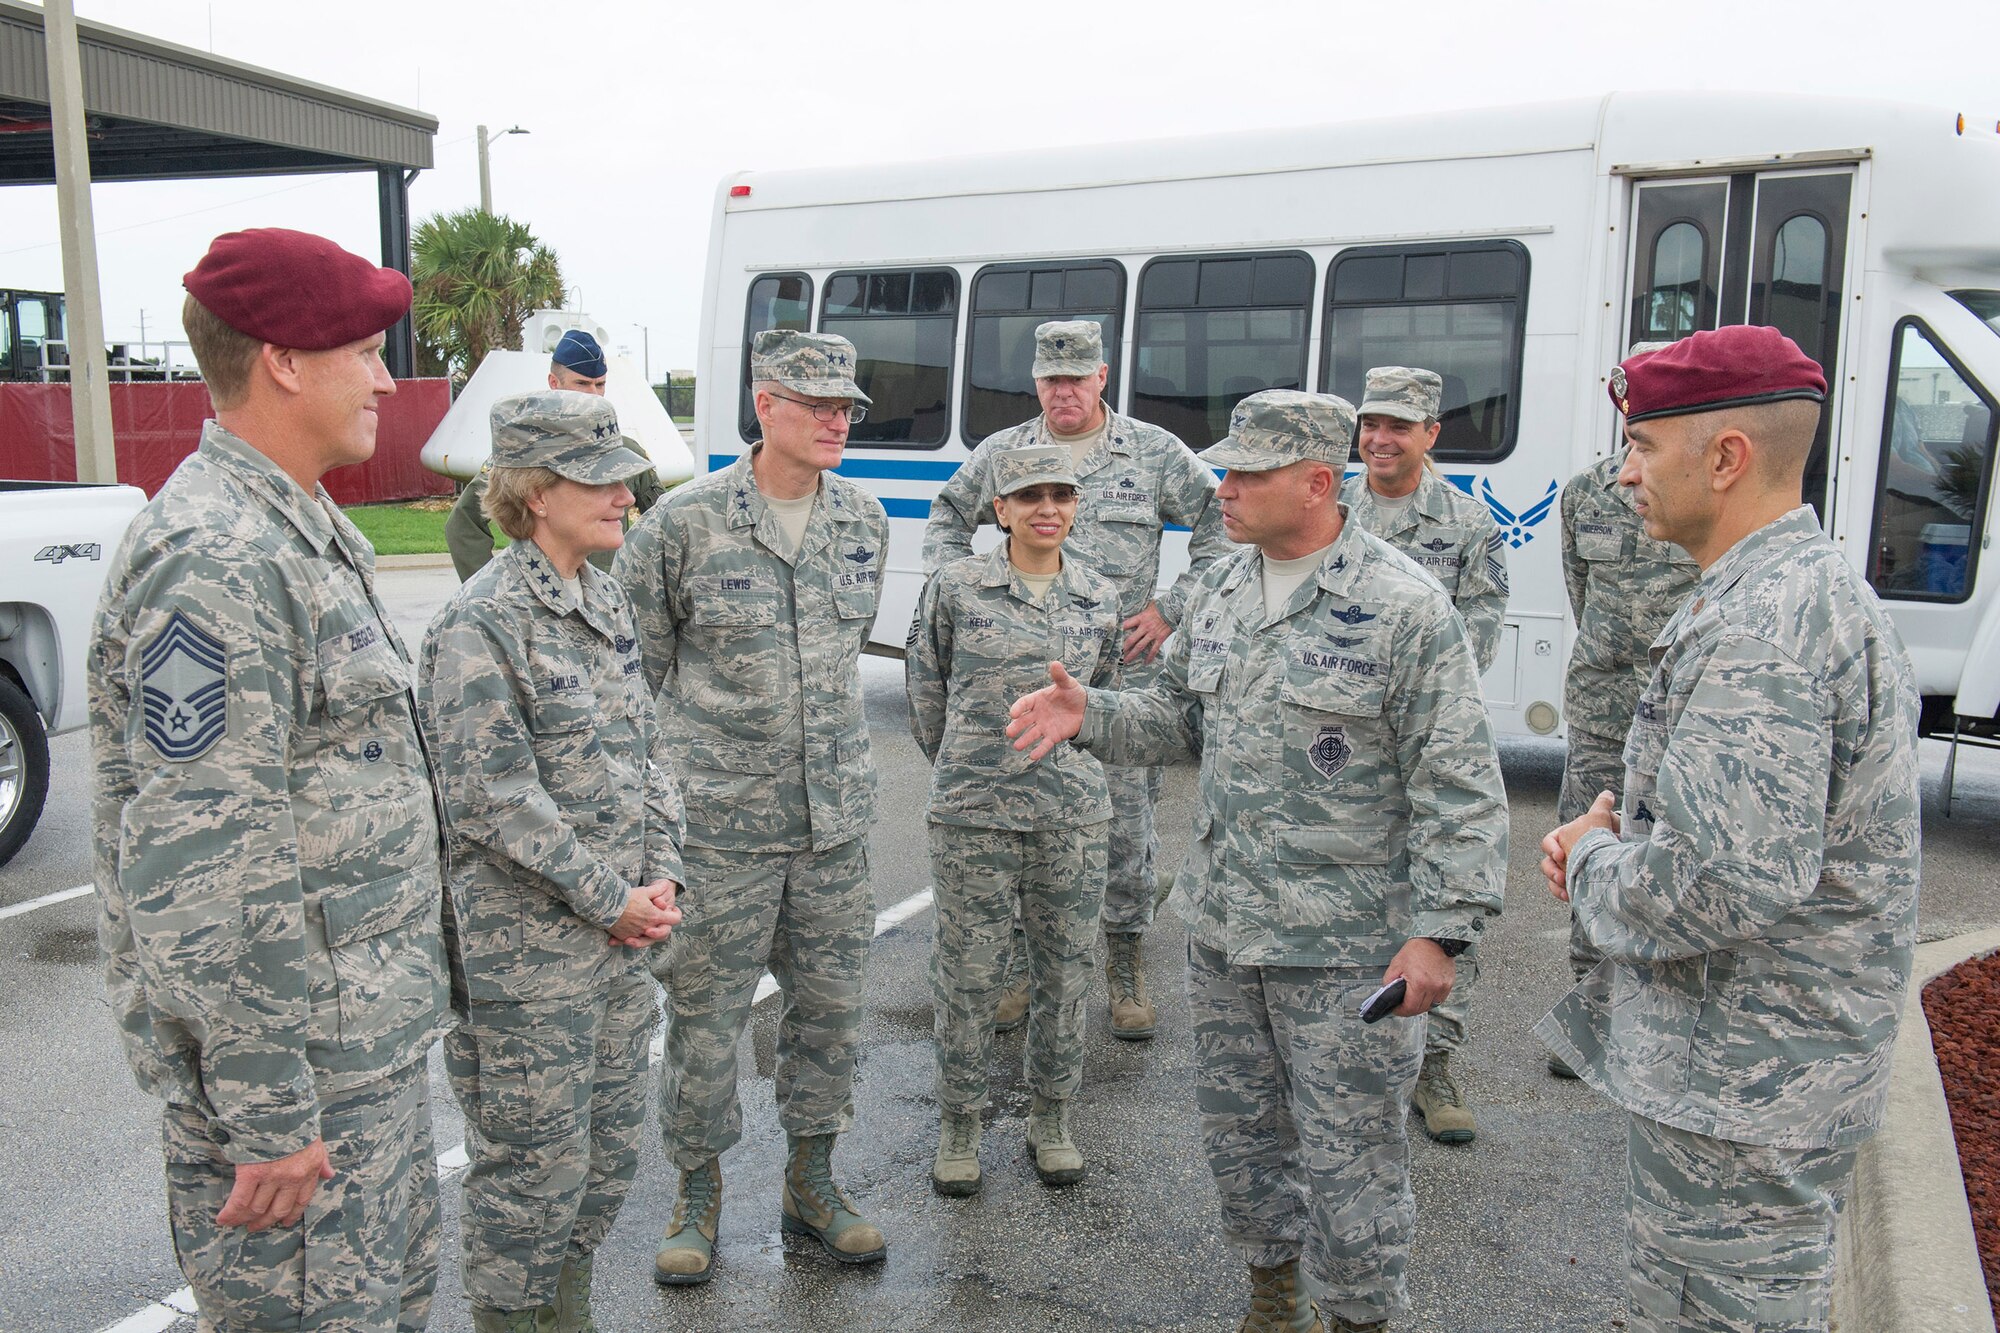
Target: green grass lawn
(416, 528)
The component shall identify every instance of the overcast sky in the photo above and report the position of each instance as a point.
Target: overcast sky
(636, 110)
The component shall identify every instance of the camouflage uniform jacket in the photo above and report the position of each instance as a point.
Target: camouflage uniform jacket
(558, 798)
(1453, 538)
(1135, 479)
(1622, 587)
(1350, 791)
(265, 829)
(977, 644)
(756, 653)
(1757, 919)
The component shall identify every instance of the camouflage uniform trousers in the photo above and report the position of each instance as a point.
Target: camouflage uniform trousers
(809, 916)
(1728, 1237)
(1592, 764)
(1054, 879)
(554, 1094)
(1302, 1109)
(1131, 877)
(364, 1257)
(1449, 1016)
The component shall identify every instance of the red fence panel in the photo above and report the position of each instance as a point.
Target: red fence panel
(157, 425)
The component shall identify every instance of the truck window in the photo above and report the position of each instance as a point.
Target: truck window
(777, 301)
(1937, 465)
(1210, 330)
(1986, 305)
(1008, 301)
(1456, 309)
(903, 324)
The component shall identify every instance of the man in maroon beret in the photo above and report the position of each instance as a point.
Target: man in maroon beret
(1755, 900)
(267, 848)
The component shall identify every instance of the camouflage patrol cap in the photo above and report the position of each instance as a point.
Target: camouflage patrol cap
(1279, 426)
(1037, 465)
(818, 365)
(1403, 392)
(1068, 347)
(573, 435)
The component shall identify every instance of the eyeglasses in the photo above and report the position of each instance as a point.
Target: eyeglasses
(856, 414)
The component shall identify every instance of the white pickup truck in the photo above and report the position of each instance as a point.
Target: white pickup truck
(56, 543)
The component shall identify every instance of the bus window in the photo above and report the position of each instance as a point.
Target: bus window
(1677, 259)
(903, 324)
(1210, 330)
(1008, 301)
(1674, 300)
(1454, 309)
(1937, 461)
(777, 301)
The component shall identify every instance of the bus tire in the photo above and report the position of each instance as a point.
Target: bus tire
(24, 768)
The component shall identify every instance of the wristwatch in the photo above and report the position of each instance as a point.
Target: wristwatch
(1452, 948)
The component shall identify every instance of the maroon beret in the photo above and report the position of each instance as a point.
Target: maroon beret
(294, 289)
(1728, 367)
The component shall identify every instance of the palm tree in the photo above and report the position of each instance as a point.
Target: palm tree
(477, 277)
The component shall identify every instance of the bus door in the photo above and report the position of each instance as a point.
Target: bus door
(1751, 247)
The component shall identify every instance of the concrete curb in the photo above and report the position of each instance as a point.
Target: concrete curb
(429, 560)
(1905, 1256)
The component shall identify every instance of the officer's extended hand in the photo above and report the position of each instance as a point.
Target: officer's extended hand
(1144, 633)
(1048, 717)
(1555, 847)
(649, 916)
(275, 1193)
(1427, 976)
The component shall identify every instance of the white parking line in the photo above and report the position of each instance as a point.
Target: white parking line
(161, 1314)
(46, 900)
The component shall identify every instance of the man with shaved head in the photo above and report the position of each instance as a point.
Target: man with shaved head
(1755, 901)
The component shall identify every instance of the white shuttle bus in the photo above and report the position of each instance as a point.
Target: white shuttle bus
(1517, 252)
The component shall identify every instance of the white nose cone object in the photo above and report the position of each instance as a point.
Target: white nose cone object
(463, 441)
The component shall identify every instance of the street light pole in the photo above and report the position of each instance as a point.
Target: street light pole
(485, 165)
(89, 385)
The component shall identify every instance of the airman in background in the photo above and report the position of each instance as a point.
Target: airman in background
(1400, 498)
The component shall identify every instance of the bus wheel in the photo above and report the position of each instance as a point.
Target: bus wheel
(24, 768)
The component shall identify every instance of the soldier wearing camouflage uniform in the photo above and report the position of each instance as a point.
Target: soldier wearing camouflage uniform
(1623, 586)
(1135, 479)
(1006, 834)
(1353, 829)
(1452, 537)
(564, 824)
(265, 827)
(1756, 919)
(576, 366)
(754, 590)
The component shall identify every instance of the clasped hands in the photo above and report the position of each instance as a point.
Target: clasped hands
(649, 915)
(1556, 847)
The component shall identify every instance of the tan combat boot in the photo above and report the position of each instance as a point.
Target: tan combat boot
(1438, 1101)
(541, 1319)
(955, 1170)
(816, 1207)
(1058, 1161)
(687, 1252)
(1278, 1302)
(1132, 1017)
(573, 1297)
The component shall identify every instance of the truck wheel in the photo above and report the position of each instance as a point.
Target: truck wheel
(24, 768)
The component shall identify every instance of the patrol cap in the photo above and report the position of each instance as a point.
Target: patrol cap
(1036, 465)
(1737, 366)
(1068, 347)
(818, 365)
(578, 351)
(1403, 392)
(1279, 426)
(573, 435)
(295, 289)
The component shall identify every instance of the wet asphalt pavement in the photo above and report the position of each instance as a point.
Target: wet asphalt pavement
(1519, 1231)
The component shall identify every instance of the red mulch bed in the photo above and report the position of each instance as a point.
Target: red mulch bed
(1963, 1006)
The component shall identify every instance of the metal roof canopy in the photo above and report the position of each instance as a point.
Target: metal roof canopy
(157, 111)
